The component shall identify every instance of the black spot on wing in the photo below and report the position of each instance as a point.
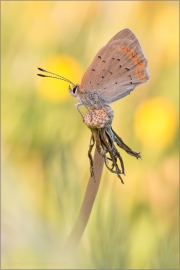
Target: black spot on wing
(130, 79)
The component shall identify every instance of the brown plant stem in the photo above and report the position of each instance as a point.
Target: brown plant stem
(89, 198)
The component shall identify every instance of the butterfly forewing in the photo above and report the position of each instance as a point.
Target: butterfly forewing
(125, 34)
(117, 68)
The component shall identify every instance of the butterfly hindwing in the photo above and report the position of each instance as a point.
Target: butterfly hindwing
(117, 68)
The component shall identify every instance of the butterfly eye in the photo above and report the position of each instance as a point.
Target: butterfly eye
(74, 90)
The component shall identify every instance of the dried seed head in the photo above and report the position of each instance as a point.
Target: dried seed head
(99, 118)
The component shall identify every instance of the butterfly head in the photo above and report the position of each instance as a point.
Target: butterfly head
(74, 90)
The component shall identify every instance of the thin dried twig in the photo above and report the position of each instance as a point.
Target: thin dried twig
(89, 198)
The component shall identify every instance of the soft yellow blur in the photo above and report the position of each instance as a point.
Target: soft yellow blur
(45, 167)
(156, 122)
(64, 66)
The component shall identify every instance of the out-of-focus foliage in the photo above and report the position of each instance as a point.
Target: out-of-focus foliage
(45, 167)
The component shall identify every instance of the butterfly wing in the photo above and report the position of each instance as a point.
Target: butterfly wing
(117, 68)
(125, 34)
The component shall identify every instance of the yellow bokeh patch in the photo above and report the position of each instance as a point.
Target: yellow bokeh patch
(65, 66)
(156, 122)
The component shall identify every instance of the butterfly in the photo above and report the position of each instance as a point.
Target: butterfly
(115, 71)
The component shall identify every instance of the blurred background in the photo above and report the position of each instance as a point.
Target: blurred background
(45, 168)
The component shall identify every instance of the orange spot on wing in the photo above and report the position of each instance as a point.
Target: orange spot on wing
(140, 64)
(139, 71)
(139, 74)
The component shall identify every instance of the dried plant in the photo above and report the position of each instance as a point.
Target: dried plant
(99, 121)
(104, 137)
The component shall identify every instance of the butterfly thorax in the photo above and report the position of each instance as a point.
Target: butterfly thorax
(90, 100)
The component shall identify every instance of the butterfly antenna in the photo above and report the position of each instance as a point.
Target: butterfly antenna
(57, 76)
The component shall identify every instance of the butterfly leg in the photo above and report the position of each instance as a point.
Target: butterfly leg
(77, 105)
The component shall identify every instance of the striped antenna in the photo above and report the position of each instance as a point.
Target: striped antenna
(54, 77)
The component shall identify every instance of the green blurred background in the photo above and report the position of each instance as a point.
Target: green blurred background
(45, 168)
